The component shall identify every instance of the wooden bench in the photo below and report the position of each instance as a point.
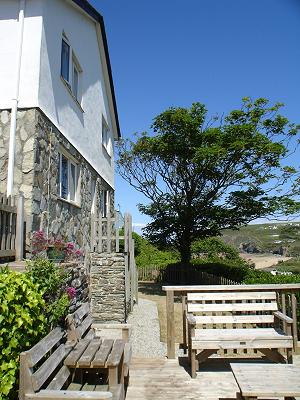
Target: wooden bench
(236, 320)
(63, 364)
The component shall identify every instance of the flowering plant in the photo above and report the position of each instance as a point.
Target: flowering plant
(71, 292)
(57, 248)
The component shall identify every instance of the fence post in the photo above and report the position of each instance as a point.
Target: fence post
(117, 232)
(108, 232)
(20, 228)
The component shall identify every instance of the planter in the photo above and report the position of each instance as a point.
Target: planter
(56, 255)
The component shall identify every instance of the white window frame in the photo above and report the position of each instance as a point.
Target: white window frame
(70, 162)
(104, 202)
(105, 136)
(73, 64)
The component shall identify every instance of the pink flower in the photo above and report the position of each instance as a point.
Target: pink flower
(71, 292)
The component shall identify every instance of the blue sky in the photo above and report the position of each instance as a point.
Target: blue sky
(174, 52)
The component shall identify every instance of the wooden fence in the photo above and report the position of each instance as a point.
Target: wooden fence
(180, 274)
(105, 236)
(12, 227)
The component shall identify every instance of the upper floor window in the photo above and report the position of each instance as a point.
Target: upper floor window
(105, 136)
(67, 178)
(104, 203)
(70, 69)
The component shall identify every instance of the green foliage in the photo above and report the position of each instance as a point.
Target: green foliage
(214, 247)
(204, 176)
(292, 265)
(236, 270)
(51, 280)
(266, 277)
(22, 324)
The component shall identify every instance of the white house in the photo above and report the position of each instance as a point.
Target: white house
(58, 114)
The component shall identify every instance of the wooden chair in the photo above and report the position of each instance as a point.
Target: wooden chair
(236, 320)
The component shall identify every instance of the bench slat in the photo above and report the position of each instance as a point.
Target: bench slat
(194, 307)
(37, 352)
(239, 334)
(243, 344)
(68, 394)
(235, 319)
(84, 326)
(43, 373)
(88, 355)
(82, 311)
(60, 379)
(102, 353)
(232, 296)
(116, 353)
(72, 358)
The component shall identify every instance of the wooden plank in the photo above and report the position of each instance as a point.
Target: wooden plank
(102, 353)
(295, 322)
(7, 253)
(8, 208)
(277, 379)
(20, 228)
(37, 352)
(82, 311)
(231, 296)
(73, 357)
(89, 353)
(69, 394)
(60, 379)
(231, 288)
(49, 366)
(234, 319)
(84, 326)
(170, 325)
(194, 307)
(239, 334)
(244, 344)
(116, 353)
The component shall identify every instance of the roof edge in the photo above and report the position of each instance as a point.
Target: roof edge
(92, 12)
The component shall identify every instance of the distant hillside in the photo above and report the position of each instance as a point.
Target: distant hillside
(280, 238)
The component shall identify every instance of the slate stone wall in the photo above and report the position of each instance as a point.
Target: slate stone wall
(36, 170)
(78, 279)
(107, 288)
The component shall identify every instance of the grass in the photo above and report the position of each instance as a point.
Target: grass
(153, 292)
(292, 265)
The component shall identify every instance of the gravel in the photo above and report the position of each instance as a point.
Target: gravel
(145, 337)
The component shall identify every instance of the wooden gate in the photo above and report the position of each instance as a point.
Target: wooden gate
(12, 227)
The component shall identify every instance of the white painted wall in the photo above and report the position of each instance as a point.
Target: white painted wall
(41, 84)
(30, 66)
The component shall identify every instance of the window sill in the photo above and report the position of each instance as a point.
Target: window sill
(67, 86)
(71, 203)
(106, 152)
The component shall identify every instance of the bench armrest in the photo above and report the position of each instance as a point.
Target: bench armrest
(283, 317)
(191, 319)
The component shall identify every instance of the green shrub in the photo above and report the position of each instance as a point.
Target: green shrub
(52, 282)
(22, 324)
(214, 247)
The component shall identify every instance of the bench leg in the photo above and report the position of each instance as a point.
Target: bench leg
(194, 363)
(289, 356)
(113, 376)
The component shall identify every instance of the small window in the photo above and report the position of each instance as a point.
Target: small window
(104, 203)
(65, 60)
(67, 178)
(105, 135)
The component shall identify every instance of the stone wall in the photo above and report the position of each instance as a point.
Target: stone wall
(107, 288)
(38, 142)
(78, 279)
(24, 154)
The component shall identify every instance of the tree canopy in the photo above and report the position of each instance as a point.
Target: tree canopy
(203, 175)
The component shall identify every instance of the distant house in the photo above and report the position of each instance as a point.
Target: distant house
(58, 114)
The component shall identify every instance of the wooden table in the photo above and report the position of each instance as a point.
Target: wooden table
(98, 354)
(262, 380)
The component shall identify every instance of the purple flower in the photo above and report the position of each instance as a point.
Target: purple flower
(71, 292)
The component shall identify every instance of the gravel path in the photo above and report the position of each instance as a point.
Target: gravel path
(145, 337)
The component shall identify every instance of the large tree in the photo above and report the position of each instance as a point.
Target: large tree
(201, 176)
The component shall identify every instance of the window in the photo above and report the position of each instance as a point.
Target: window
(65, 60)
(70, 69)
(67, 178)
(105, 135)
(104, 203)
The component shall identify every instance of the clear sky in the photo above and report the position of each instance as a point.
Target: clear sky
(175, 52)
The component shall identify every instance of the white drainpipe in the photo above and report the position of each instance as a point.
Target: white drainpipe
(15, 100)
